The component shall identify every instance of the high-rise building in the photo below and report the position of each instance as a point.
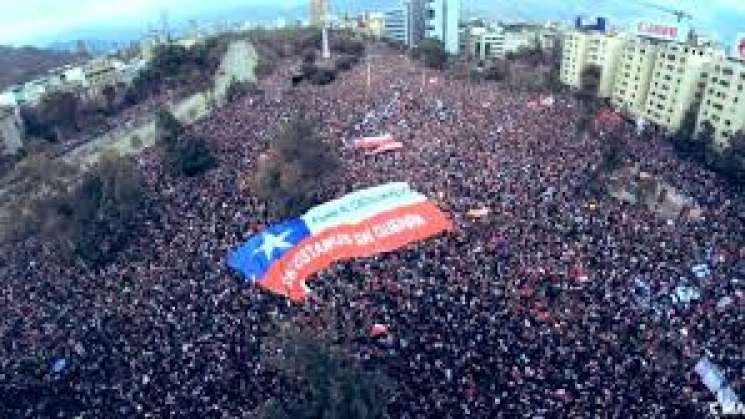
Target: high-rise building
(397, 25)
(723, 103)
(442, 18)
(318, 10)
(584, 49)
(678, 82)
(416, 24)
(633, 75)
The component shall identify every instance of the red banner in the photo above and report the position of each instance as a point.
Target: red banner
(373, 142)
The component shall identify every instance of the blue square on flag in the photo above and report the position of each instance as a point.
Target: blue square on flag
(256, 256)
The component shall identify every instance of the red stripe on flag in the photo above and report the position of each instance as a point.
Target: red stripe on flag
(382, 233)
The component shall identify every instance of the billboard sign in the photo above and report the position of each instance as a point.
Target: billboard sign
(599, 25)
(661, 30)
(738, 50)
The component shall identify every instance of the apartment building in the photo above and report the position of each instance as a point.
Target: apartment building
(470, 38)
(573, 58)
(441, 19)
(497, 42)
(583, 49)
(489, 44)
(548, 39)
(633, 75)
(397, 25)
(678, 82)
(723, 103)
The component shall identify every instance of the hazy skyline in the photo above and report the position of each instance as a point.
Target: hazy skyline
(43, 21)
(40, 21)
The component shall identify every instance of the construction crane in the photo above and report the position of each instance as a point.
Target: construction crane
(678, 13)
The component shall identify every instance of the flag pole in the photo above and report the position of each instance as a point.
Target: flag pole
(369, 75)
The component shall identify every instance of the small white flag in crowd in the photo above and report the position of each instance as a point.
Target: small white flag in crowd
(714, 379)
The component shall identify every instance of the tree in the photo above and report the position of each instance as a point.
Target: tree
(309, 56)
(684, 138)
(697, 146)
(33, 188)
(109, 94)
(734, 158)
(499, 70)
(294, 173)
(89, 216)
(614, 154)
(190, 157)
(323, 76)
(167, 129)
(705, 143)
(183, 154)
(589, 83)
(238, 89)
(432, 53)
(321, 379)
(100, 212)
(346, 62)
(553, 81)
(344, 44)
(59, 111)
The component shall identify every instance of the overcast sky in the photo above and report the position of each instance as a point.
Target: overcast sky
(28, 21)
(40, 21)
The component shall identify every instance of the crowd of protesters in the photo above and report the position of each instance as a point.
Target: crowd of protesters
(556, 300)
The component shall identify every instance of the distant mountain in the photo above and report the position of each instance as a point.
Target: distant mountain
(27, 63)
(91, 46)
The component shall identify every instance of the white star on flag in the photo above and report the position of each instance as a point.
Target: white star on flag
(272, 242)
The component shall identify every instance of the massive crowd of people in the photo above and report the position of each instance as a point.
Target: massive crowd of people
(558, 302)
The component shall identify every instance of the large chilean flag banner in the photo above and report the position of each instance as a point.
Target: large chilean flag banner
(360, 224)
